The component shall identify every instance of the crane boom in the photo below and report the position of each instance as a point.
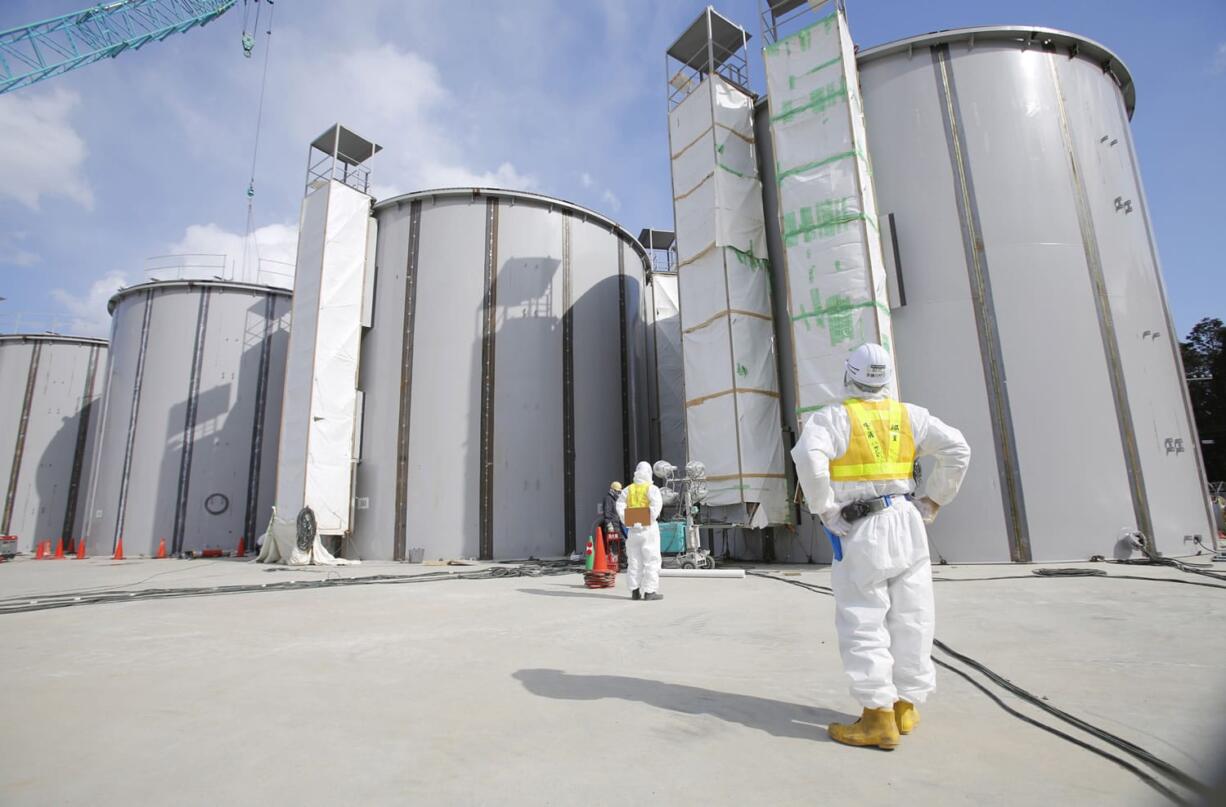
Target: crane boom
(44, 49)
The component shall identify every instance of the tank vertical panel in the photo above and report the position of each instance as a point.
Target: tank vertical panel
(106, 470)
(528, 399)
(379, 378)
(278, 346)
(51, 437)
(445, 439)
(14, 374)
(940, 368)
(216, 493)
(636, 327)
(42, 424)
(158, 442)
(597, 393)
(1037, 265)
(1165, 438)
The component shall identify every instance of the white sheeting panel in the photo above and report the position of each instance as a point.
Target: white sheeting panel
(827, 207)
(320, 410)
(733, 423)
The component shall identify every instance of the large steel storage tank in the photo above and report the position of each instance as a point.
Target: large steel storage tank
(48, 418)
(503, 378)
(1035, 317)
(188, 444)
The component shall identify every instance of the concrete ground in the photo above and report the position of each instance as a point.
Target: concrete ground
(537, 691)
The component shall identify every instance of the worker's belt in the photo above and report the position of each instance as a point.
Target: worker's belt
(866, 507)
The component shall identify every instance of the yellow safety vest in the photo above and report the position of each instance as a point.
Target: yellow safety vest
(636, 495)
(881, 446)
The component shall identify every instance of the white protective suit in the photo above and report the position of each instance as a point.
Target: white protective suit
(643, 544)
(883, 585)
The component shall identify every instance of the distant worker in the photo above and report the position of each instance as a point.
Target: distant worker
(638, 507)
(612, 524)
(855, 465)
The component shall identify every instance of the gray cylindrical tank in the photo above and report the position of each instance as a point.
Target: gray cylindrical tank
(503, 377)
(48, 418)
(1035, 316)
(188, 444)
(666, 376)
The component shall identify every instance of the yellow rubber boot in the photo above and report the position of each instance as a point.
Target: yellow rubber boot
(906, 715)
(875, 727)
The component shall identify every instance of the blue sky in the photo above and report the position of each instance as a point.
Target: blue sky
(150, 153)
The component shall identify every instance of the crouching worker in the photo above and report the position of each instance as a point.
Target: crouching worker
(638, 507)
(855, 464)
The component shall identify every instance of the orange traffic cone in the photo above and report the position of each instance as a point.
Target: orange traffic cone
(600, 576)
(81, 549)
(601, 563)
(59, 549)
(241, 552)
(40, 551)
(118, 549)
(161, 548)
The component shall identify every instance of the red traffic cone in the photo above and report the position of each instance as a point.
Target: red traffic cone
(601, 563)
(59, 549)
(241, 552)
(40, 551)
(161, 549)
(81, 549)
(118, 549)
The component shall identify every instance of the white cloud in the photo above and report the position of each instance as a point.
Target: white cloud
(270, 252)
(43, 155)
(610, 199)
(87, 314)
(12, 253)
(585, 179)
(1218, 67)
(407, 109)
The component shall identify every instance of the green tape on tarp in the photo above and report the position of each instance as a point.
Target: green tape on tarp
(802, 40)
(811, 71)
(782, 174)
(820, 99)
(835, 315)
(748, 258)
(823, 220)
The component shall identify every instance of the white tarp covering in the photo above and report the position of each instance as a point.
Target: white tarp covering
(827, 209)
(670, 372)
(279, 544)
(315, 465)
(733, 424)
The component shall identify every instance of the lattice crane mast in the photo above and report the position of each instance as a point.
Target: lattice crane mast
(31, 53)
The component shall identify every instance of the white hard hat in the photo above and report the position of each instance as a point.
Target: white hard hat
(869, 366)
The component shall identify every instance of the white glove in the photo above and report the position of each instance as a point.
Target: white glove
(927, 509)
(833, 520)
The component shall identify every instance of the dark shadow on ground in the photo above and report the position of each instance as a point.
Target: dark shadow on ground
(576, 591)
(778, 718)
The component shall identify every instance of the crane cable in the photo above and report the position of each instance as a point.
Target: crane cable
(249, 235)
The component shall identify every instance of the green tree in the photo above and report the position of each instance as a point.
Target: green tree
(1204, 359)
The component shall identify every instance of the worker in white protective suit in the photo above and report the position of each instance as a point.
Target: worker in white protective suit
(638, 507)
(855, 464)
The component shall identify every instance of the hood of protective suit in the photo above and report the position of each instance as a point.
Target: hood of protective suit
(850, 390)
(642, 473)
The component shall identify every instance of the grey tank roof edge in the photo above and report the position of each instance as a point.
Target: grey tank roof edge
(188, 283)
(1027, 36)
(523, 196)
(54, 337)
